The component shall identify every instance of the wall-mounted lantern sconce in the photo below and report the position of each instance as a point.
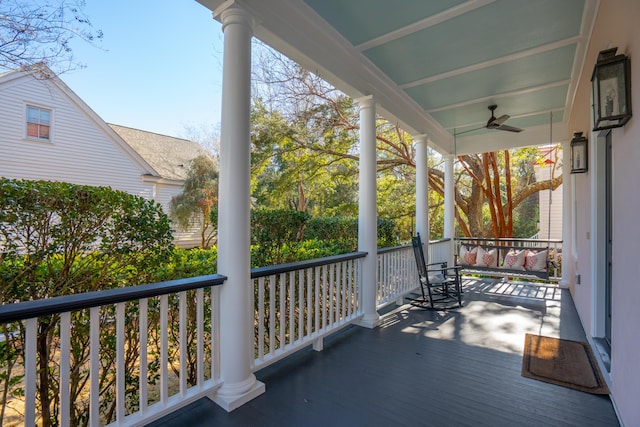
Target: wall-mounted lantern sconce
(579, 155)
(611, 81)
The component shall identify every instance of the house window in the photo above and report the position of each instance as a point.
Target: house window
(38, 123)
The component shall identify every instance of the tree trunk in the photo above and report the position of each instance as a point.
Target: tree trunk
(43, 371)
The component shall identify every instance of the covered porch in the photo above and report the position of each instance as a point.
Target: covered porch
(378, 366)
(423, 367)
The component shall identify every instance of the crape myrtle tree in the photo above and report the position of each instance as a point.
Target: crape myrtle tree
(34, 32)
(302, 124)
(60, 239)
(488, 193)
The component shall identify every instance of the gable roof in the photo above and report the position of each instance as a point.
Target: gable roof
(43, 73)
(169, 156)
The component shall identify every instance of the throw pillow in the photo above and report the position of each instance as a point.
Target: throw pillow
(486, 258)
(514, 260)
(536, 261)
(468, 256)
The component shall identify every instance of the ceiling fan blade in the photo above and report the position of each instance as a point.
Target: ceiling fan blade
(509, 128)
(500, 120)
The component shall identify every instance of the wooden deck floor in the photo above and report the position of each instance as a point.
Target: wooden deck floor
(424, 368)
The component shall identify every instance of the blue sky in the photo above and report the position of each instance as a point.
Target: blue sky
(158, 67)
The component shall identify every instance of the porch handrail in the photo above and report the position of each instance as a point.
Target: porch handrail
(301, 265)
(296, 304)
(299, 303)
(29, 309)
(110, 313)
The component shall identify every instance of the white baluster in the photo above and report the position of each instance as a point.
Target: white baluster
(164, 349)
(120, 367)
(94, 366)
(183, 342)
(30, 371)
(65, 367)
(143, 308)
(200, 336)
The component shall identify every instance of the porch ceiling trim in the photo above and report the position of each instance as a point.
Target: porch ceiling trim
(342, 43)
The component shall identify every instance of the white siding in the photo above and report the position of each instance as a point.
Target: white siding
(183, 238)
(555, 230)
(80, 150)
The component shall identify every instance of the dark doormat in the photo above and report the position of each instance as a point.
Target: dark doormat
(562, 362)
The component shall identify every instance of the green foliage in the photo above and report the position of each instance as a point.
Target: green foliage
(297, 161)
(341, 231)
(199, 196)
(271, 229)
(58, 239)
(387, 234)
(187, 263)
(397, 201)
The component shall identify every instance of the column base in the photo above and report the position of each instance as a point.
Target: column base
(229, 402)
(564, 284)
(370, 321)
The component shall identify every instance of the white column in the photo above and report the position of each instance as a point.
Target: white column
(449, 205)
(236, 314)
(567, 224)
(367, 211)
(422, 190)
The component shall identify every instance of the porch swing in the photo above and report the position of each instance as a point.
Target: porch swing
(502, 256)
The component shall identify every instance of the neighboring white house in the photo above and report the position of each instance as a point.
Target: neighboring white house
(550, 223)
(48, 133)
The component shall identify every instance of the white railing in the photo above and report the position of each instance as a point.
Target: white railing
(397, 274)
(122, 356)
(440, 250)
(300, 303)
(131, 355)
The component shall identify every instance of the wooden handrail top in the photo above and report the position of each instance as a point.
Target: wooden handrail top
(44, 307)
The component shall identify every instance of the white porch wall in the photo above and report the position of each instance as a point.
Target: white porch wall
(616, 26)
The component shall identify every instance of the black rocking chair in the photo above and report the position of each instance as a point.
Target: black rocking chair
(438, 283)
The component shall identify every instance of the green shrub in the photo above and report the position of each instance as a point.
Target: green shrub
(57, 239)
(185, 263)
(272, 230)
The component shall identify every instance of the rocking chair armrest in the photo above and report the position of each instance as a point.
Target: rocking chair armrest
(445, 270)
(441, 264)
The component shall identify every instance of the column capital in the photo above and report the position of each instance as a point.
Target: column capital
(230, 13)
(366, 101)
(420, 138)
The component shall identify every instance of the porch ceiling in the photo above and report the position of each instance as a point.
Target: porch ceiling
(435, 66)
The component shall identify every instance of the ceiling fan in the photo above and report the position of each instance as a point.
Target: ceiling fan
(497, 123)
(494, 123)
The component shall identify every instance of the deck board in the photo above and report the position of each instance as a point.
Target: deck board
(421, 367)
